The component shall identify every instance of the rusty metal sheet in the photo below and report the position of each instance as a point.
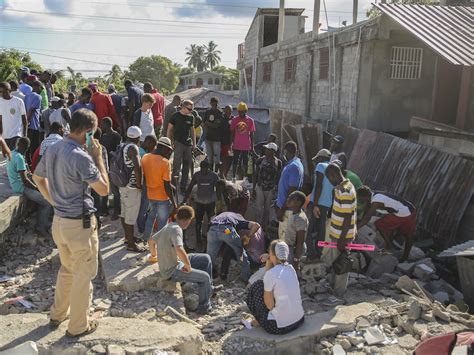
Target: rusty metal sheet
(448, 30)
(439, 184)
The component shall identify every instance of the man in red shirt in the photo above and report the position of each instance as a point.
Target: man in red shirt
(158, 107)
(103, 104)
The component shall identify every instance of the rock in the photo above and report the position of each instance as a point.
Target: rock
(366, 235)
(98, 349)
(326, 344)
(374, 335)
(314, 272)
(345, 343)
(115, 312)
(428, 316)
(420, 328)
(416, 254)
(407, 342)
(405, 283)
(380, 264)
(338, 350)
(362, 324)
(113, 349)
(22, 270)
(438, 313)
(310, 288)
(359, 262)
(355, 340)
(128, 313)
(423, 272)
(437, 286)
(191, 302)
(441, 296)
(406, 268)
(414, 311)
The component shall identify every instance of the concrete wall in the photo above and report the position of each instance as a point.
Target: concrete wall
(470, 114)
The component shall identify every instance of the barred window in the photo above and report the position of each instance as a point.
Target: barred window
(267, 71)
(248, 75)
(406, 62)
(290, 69)
(324, 64)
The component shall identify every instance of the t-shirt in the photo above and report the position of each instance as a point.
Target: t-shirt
(283, 282)
(69, 170)
(48, 141)
(57, 116)
(182, 126)
(110, 141)
(158, 107)
(345, 202)
(129, 163)
(242, 128)
(14, 166)
(291, 176)
(25, 89)
(337, 156)
(117, 102)
(268, 172)
(256, 246)
(392, 205)
(135, 94)
(157, 170)
(170, 110)
(356, 181)
(213, 121)
(231, 219)
(78, 105)
(296, 222)
(225, 130)
(206, 186)
(103, 107)
(33, 101)
(18, 94)
(11, 112)
(167, 239)
(44, 99)
(146, 125)
(325, 199)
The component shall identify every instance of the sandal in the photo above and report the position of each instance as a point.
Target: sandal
(136, 240)
(136, 249)
(93, 325)
(54, 324)
(152, 259)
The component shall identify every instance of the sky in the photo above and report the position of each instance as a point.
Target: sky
(91, 35)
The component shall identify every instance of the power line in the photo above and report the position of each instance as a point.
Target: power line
(115, 18)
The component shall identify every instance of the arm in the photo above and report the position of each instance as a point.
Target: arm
(65, 114)
(253, 228)
(300, 237)
(133, 155)
(169, 132)
(190, 189)
(43, 187)
(342, 241)
(251, 142)
(317, 193)
(26, 180)
(169, 192)
(181, 253)
(372, 210)
(256, 177)
(5, 150)
(269, 300)
(24, 121)
(101, 186)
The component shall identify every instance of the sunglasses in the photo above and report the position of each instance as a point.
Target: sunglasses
(188, 108)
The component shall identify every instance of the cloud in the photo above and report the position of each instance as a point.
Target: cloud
(243, 8)
(58, 5)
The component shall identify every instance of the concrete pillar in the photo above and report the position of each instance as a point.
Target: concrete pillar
(317, 8)
(355, 7)
(281, 21)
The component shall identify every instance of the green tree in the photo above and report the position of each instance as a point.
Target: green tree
(212, 57)
(231, 77)
(196, 57)
(115, 76)
(11, 60)
(159, 70)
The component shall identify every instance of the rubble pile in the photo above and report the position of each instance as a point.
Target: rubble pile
(409, 302)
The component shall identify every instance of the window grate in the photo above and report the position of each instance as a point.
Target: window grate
(290, 69)
(406, 63)
(267, 71)
(324, 64)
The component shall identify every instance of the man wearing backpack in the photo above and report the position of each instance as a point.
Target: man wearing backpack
(125, 172)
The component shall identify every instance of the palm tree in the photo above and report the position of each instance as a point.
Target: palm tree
(195, 56)
(115, 75)
(212, 57)
(73, 75)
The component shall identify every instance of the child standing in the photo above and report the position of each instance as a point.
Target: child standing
(143, 117)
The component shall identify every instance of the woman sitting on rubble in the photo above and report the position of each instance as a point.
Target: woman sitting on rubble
(276, 302)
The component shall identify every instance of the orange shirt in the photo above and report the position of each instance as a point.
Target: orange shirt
(156, 170)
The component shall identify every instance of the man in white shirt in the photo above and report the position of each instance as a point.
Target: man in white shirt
(14, 90)
(13, 122)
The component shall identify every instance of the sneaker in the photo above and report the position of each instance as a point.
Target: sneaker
(333, 301)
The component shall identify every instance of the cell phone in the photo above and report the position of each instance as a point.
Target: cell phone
(86, 221)
(180, 266)
(89, 136)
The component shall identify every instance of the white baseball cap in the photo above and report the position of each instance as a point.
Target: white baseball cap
(271, 146)
(134, 132)
(55, 99)
(282, 251)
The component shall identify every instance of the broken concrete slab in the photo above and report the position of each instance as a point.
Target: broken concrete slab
(314, 272)
(380, 264)
(136, 335)
(406, 268)
(316, 326)
(423, 272)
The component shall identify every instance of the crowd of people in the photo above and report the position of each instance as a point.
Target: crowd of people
(165, 166)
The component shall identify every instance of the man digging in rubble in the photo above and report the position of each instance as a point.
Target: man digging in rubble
(64, 177)
(401, 215)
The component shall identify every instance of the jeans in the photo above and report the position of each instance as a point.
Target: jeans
(264, 201)
(44, 208)
(182, 157)
(337, 282)
(316, 231)
(143, 213)
(216, 236)
(228, 255)
(201, 210)
(201, 274)
(241, 157)
(213, 150)
(159, 210)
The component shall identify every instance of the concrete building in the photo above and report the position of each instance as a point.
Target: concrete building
(205, 79)
(376, 74)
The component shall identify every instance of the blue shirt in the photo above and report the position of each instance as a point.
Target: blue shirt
(14, 166)
(291, 176)
(117, 101)
(69, 170)
(231, 219)
(25, 89)
(325, 199)
(33, 101)
(76, 106)
(135, 94)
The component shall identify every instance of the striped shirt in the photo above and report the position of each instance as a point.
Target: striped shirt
(345, 202)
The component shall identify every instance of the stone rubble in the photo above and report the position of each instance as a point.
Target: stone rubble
(410, 302)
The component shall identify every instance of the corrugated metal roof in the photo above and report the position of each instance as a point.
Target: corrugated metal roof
(464, 249)
(439, 184)
(448, 30)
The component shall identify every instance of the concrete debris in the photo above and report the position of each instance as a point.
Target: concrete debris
(406, 268)
(416, 254)
(374, 335)
(414, 311)
(423, 272)
(338, 350)
(191, 302)
(380, 264)
(346, 344)
(313, 272)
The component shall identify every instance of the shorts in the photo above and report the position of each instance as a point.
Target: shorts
(225, 149)
(130, 200)
(389, 223)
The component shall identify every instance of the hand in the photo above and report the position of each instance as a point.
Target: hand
(316, 212)
(341, 245)
(186, 268)
(245, 239)
(264, 257)
(5, 150)
(96, 150)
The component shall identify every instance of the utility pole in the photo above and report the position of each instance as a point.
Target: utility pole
(281, 22)
(317, 7)
(355, 6)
